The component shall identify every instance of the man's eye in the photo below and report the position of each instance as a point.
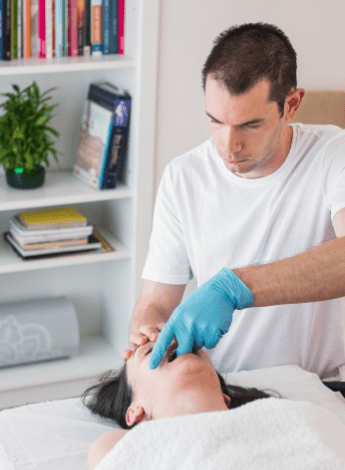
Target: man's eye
(148, 351)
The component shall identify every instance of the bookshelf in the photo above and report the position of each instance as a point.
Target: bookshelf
(103, 287)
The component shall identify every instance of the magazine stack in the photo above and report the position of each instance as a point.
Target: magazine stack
(51, 232)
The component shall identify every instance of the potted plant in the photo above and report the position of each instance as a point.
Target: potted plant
(25, 136)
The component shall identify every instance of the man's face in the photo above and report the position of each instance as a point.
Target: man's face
(250, 136)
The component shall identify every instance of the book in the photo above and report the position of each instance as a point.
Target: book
(42, 28)
(72, 28)
(93, 243)
(49, 29)
(14, 26)
(6, 30)
(23, 235)
(93, 140)
(87, 29)
(1, 30)
(105, 26)
(114, 163)
(121, 27)
(81, 25)
(56, 244)
(51, 218)
(19, 28)
(59, 45)
(34, 38)
(113, 27)
(96, 27)
(26, 29)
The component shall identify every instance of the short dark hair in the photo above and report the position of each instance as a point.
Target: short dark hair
(112, 396)
(243, 55)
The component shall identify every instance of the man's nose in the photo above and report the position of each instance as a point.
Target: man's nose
(232, 142)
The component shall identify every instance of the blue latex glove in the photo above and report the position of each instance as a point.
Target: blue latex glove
(204, 316)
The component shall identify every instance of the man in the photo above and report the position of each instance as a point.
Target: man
(257, 215)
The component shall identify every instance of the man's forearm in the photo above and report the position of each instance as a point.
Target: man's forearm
(317, 274)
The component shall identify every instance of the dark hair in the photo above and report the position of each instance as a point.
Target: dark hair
(112, 396)
(243, 55)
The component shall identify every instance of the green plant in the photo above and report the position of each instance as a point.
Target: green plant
(25, 137)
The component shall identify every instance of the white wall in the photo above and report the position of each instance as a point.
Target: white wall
(316, 29)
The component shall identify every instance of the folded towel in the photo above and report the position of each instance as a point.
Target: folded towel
(266, 434)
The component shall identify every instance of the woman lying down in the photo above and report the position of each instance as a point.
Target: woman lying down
(190, 419)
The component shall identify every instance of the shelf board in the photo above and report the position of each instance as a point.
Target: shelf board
(64, 64)
(60, 187)
(95, 357)
(10, 262)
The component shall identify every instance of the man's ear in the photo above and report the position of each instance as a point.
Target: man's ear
(135, 414)
(293, 102)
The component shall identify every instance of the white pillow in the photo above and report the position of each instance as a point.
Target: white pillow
(291, 382)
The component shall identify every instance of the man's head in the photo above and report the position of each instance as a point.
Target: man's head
(244, 55)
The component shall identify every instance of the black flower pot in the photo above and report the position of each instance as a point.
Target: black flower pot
(22, 178)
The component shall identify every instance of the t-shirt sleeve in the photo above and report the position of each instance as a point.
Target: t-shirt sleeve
(334, 174)
(167, 259)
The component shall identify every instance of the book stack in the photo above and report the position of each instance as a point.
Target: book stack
(58, 28)
(51, 232)
(103, 139)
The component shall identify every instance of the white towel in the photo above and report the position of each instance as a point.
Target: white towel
(266, 434)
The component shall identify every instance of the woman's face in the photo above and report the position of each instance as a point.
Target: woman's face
(183, 385)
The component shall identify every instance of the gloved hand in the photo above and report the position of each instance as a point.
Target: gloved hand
(204, 316)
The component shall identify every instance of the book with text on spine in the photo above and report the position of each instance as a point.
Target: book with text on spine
(104, 102)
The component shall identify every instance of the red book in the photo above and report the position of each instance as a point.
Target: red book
(72, 28)
(42, 28)
(121, 27)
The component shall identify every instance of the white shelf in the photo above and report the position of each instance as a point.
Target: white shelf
(60, 187)
(58, 379)
(10, 262)
(64, 64)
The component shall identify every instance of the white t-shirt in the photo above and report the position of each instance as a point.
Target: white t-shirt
(207, 218)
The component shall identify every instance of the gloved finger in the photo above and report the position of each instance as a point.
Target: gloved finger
(185, 344)
(159, 349)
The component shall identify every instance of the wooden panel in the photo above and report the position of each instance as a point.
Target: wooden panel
(322, 107)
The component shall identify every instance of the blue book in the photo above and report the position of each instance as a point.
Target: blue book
(117, 147)
(105, 26)
(118, 102)
(113, 27)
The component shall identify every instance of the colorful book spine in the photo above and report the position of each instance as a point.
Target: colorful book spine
(96, 27)
(81, 25)
(14, 30)
(117, 149)
(1, 31)
(105, 26)
(87, 28)
(20, 29)
(34, 22)
(7, 29)
(26, 29)
(53, 27)
(49, 29)
(42, 28)
(59, 49)
(121, 27)
(72, 28)
(113, 27)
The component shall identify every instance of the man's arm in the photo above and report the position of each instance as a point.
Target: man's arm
(156, 303)
(315, 275)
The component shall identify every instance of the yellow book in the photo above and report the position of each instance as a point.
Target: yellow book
(52, 218)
